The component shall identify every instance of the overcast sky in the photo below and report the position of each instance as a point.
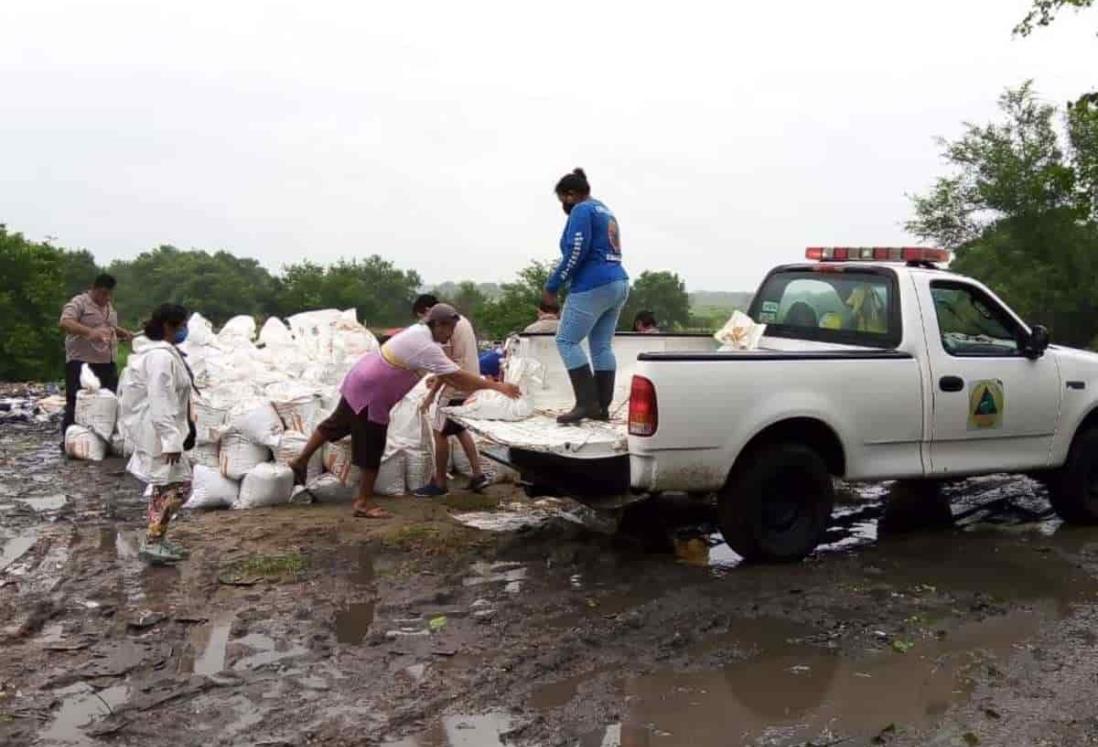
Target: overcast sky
(725, 136)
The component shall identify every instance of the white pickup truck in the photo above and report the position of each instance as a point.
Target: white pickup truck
(875, 365)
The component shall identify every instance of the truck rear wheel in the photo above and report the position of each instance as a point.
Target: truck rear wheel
(776, 506)
(1073, 489)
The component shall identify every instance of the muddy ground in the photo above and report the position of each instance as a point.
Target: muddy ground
(301, 625)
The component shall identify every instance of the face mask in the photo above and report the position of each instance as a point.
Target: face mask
(567, 208)
(180, 336)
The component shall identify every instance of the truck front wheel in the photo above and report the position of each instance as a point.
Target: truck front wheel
(777, 505)
(1073, 489)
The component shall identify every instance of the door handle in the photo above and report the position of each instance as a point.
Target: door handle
(951, 384)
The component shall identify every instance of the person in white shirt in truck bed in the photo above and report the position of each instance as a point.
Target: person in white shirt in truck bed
(462, 350)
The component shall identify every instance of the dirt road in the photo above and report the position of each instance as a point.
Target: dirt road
(300, 625)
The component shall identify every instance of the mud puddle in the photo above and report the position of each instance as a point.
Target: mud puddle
(480, 730)
(81, 707)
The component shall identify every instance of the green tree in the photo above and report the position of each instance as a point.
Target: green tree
(32, 292)
(467, 298)
(1018, 208)
(518, 301)
(664, 294)
(1043, 13)
(218, 285)
(380, 292)
(78, 271)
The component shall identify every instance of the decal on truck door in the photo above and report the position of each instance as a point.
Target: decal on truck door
(985, 405)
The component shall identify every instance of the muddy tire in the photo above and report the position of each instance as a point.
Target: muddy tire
(777, 504)
(1073, 489)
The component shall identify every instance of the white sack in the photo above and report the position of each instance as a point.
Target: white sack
(118, 446)
(274, 332)
(406, 426)
(290, 446)
(209, 419)
(419, 467)
(459, 463)
(199, 330)
(390, 476)
(328, 489)
(206, 455)
(238, 329)
(258, 420)
(88, 380)
(210, 489)
(98, 411)
(351, 340)
(337, 461)
(297, 405)
(740, 332)
(488, 404)
(81, 443)
(238, 455)
(266, 485)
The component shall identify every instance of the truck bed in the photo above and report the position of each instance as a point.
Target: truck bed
(541, 433)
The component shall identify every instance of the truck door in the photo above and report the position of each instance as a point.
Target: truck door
(993, 408)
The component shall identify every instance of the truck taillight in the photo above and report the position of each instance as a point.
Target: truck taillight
(644, 414)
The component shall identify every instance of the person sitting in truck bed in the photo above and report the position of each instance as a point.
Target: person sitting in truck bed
(548, 319)
(591, 264)
(645, 323)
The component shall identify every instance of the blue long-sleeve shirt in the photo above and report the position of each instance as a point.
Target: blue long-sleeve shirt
(590, 249)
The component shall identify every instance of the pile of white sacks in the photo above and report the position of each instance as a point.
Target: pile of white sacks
(260, 397)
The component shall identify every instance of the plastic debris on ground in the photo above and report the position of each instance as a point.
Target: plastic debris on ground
(518, 516)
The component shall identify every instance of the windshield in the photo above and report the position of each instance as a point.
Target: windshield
(852, 307)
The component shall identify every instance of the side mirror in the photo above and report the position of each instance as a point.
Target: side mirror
(1037, 343)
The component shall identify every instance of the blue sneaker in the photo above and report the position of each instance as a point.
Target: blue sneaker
(430, 490)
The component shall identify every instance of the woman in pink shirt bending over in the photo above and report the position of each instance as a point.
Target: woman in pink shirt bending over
(376, 384)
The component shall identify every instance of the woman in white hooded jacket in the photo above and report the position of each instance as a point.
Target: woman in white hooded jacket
(157, 391)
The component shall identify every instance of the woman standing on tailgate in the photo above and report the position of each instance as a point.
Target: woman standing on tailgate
(591, 266)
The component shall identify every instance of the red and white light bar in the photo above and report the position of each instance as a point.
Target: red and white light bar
(876, 254)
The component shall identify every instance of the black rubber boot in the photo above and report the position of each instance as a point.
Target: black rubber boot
(604, 384)
(587, 398)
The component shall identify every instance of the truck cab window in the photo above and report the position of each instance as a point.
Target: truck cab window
(971, 323)
(848, 307)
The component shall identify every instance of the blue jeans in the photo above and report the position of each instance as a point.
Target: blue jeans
(591, 314)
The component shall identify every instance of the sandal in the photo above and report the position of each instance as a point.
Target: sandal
(373, 512)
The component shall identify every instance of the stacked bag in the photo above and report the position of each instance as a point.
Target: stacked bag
(260, 395)
(95, 433)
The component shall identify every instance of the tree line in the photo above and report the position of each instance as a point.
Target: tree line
(37, 278)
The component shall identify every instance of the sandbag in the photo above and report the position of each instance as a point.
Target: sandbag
(118, 445)
(257, 420)
(337, 461)
(266, 485)
(327, 488)
(459, 463)
(419, 467)
(351, 340)
(89, 382)
(97, 411)
(199, 330)
(390, 476)
(492, 405)
(211, 489)
(238, 455)
(205, 454)
(238, 329)
(274, 332)
(291, 445)
(209, 421)
(82, 443)
(297, 405)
